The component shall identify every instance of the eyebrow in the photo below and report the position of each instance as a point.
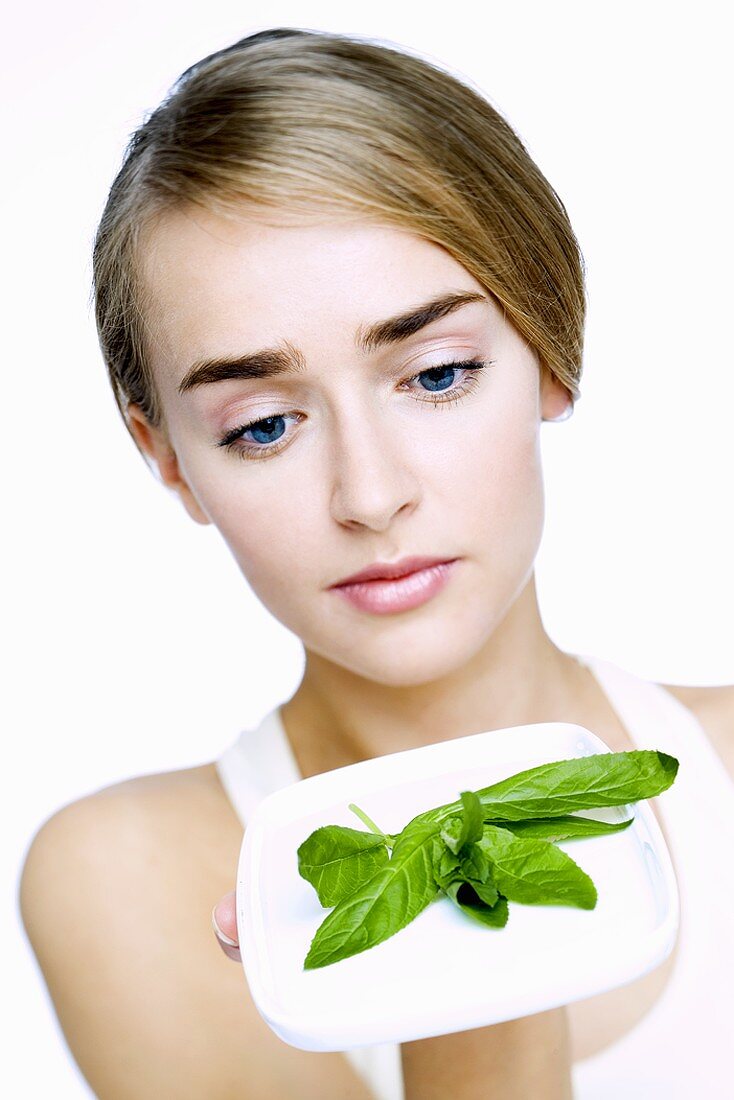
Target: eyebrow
(286, 359)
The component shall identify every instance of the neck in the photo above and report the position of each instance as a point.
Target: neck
(519, 676)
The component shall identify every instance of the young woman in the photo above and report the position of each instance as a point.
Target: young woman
(336, 300)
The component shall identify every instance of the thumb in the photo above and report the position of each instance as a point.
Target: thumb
(224, 923)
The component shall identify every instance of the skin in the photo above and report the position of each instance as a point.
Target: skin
(371, 470)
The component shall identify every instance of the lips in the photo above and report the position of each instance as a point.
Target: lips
(390, 570)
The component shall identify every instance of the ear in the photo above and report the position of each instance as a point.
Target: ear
(555, 400)
(155, 443)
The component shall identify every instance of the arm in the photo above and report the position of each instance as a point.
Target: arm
(514, 1060)
(144, 1015)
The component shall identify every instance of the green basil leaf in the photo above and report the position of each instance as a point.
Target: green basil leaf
(582, 783)
(563, 828)
(558, 788)
(535, 872)
(445, 863)
(451, 833)
(464, 828)
(336, 860)
(383, 905)
(466, 897)
(472, 818)
(474, 863)
(487, 891)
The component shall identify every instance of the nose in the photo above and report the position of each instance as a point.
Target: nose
(371, 475)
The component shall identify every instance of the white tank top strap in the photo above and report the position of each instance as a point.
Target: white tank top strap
(259, 762)
(381, 1066)
(655, 719)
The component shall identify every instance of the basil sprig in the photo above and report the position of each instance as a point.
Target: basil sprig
(489, 847)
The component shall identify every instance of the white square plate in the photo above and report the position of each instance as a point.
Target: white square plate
(445, 972)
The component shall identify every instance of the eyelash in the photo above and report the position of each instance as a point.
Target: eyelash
(230, 442)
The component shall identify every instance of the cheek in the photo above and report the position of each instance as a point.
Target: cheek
(496, 489)
(267, 525)
(496, 473)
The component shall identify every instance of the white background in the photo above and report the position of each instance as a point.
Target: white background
(133, 642)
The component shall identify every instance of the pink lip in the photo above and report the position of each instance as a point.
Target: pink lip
(385, 596)
(389, 570)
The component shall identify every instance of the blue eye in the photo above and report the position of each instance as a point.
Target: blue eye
(270, 427)
(267, 428)
(442, 371)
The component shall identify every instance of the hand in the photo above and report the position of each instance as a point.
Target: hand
(224, 923)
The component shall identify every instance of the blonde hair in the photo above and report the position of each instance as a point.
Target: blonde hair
(329, 123)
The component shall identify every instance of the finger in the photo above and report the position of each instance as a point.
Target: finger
(224, 923)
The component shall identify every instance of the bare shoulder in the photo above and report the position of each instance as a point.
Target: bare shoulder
(714, 708)
(116, 896)
(144, 826)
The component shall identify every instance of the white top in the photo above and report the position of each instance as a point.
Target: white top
(681, 1047)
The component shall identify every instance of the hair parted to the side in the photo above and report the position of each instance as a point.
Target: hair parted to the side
(335, 125)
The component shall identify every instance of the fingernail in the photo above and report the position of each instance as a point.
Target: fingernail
(219, 933)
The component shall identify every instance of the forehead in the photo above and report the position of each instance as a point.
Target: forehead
(216, 286)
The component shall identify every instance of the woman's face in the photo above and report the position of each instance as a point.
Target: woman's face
(368, 452)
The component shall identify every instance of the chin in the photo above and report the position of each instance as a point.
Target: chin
(422, 655)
